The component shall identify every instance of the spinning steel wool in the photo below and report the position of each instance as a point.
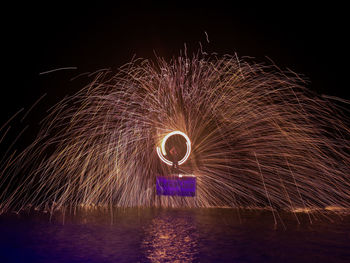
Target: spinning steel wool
(257, 138)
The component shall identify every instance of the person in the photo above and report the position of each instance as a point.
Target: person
(174, 156)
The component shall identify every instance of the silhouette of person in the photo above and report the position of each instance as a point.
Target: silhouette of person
(174, 157)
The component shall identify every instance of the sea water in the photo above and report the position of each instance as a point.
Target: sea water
(174, 235)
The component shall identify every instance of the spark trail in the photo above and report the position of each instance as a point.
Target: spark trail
(259, 139)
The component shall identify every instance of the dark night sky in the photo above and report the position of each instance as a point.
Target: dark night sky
(310, 40)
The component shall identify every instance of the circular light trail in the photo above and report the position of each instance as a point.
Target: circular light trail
(162, 152)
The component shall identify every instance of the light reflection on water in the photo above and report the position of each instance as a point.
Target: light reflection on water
(171, 239)
(172, 235)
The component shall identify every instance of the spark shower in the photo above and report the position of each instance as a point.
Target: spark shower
(258, 138)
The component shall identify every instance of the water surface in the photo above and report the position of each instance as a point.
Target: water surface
(173, 235)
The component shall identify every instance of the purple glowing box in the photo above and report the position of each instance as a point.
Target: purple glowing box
(180, 185)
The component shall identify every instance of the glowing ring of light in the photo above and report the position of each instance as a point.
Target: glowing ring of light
(161, 150)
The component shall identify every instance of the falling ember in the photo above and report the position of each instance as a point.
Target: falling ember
(254, 137)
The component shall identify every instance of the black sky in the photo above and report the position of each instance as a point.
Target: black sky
(310, 40)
